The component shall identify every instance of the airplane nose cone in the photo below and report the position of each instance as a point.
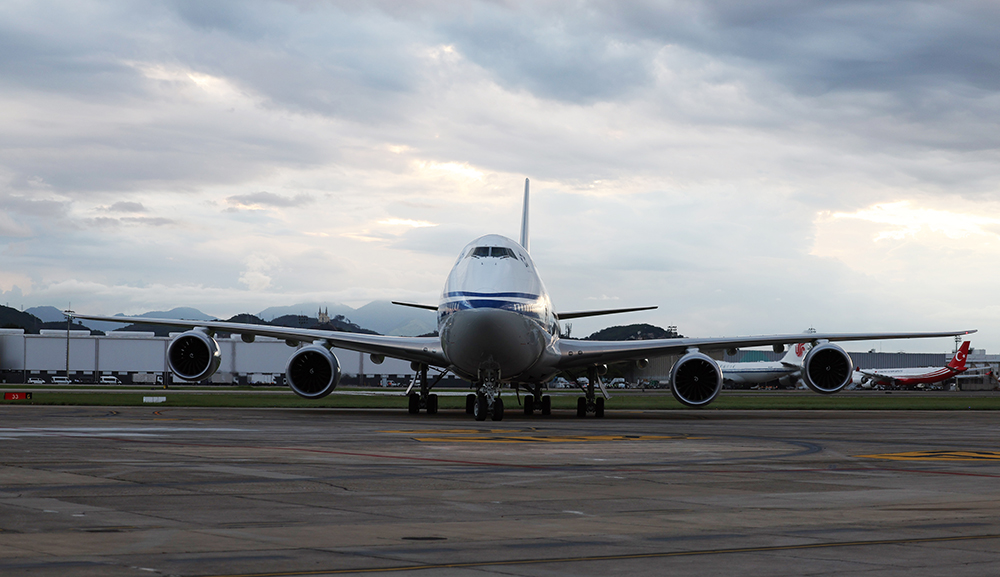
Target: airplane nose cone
(474, 337)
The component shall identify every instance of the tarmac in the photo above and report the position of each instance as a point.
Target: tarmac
(254, 492)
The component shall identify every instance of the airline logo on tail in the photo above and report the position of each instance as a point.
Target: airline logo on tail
(958, 362)
(795, 354)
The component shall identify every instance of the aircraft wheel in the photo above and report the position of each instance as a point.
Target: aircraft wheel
(581, 407)
(432, 404)
(470, 404)
(414, 405)
(529, 404)
(599, 409)
(546, 405)
(498, 409)
(481, 408)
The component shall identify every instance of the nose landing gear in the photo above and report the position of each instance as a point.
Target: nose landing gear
(487, 398)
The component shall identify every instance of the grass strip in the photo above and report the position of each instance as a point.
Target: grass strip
(623, 402)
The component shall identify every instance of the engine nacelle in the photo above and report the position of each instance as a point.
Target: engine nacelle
(313, 372)
(193, 356)
(827, 368)
(695, 379)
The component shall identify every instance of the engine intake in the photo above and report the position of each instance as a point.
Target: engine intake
(313, 372)
(194, 356)
(695, 380)
(827, 368)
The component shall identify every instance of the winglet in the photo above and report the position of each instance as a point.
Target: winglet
(524, 219)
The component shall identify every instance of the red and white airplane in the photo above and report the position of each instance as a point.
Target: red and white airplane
(917, 375)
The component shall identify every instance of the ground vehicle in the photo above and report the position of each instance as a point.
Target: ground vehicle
(110, 380)
(60, 380)
(36, 381)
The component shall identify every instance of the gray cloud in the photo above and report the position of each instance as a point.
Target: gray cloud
(151, 221)
(679, 151)
(19, 204)
(263, 198)
(124, 206)
(567, 53)
(103, 222)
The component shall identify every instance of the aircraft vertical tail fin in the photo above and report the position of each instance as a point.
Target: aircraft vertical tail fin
(958, 361)
(795, 354)
(524, 218)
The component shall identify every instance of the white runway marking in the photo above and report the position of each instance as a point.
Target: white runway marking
(11, 433)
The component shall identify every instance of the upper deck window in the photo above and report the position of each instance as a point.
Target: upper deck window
(492, 252)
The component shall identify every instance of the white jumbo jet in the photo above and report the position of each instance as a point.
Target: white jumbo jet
(787, 371)
(497, 327)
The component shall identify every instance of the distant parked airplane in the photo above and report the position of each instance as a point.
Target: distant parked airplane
(916, 376)
(497, 327)
(787, 371)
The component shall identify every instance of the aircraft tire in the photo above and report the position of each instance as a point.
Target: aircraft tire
(529, 404)
(581, 407)
(470, 404)
(432, 404)
(481, 408)
(599, 409)
(414, 405)
(498, 409)
(546, 405)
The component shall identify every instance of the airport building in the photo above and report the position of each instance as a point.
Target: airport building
(138, 357)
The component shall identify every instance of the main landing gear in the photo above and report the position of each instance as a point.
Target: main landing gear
(423, 399)
(591, 403)
(537, 401)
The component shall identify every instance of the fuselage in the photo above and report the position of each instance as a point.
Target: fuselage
(494, 312)
(755, 372)
(913, 376)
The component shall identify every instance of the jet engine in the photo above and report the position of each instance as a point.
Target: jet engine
(193, 355)
(827, 368)
(695, 379)
(313, 372)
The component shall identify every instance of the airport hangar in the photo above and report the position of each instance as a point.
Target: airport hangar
(140, 357)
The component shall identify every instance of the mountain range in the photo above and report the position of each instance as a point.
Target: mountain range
(380, 316)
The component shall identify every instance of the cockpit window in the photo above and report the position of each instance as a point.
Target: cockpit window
(492, 252)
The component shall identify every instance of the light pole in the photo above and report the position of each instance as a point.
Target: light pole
(69, 322)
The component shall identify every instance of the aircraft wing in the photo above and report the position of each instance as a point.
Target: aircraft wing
(577, 354)
(878, 378)
(582, 314)
(420, 349)
(872, 375)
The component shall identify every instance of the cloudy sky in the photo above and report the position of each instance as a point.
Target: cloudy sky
(749, 167)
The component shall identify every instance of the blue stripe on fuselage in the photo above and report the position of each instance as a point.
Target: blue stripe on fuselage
(527, 309)
(491, 295)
